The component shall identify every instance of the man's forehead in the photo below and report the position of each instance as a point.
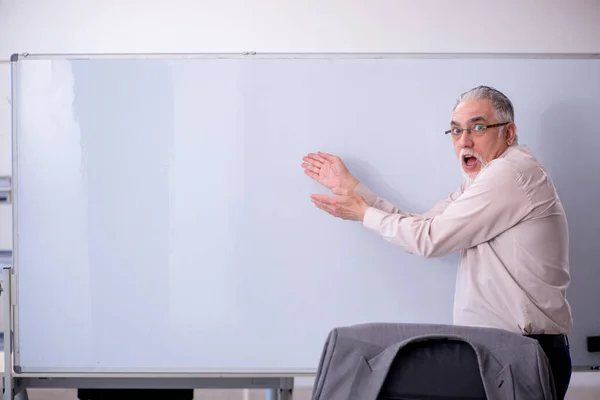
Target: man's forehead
(472, 111)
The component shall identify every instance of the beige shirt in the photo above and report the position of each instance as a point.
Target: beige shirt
(511, 230)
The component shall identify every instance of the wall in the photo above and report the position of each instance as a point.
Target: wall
(115, 26)
(302, 25)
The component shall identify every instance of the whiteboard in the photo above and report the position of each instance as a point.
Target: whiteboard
(163, 222)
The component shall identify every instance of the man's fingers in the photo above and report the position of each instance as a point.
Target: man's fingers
(328, 157)
(311, 168)
(323, 198)
(314, 159)
(319, 204)
(311, 175)
(325, 207)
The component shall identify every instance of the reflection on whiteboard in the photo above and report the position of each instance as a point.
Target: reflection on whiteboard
(52, 211)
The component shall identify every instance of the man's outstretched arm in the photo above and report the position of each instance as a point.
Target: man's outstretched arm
(382, 204)
(493, 203)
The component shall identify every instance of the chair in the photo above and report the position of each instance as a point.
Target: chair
(387, 361)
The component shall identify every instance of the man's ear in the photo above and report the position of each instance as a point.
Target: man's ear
(510, 133)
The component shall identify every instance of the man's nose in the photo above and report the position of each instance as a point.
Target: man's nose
(465, 139)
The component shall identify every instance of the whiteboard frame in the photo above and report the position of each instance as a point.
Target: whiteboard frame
(12, 273)
(299, 55)
(12, 324)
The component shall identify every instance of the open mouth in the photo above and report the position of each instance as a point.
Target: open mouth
(469, 161)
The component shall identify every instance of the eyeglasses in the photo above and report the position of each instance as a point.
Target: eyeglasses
(476, 130)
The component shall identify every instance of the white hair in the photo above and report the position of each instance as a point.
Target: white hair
(503, 107)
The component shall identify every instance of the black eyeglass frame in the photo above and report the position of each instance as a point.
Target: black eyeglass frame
(484, 126)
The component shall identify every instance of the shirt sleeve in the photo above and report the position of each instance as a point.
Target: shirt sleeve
(384, 205)
(494, 202)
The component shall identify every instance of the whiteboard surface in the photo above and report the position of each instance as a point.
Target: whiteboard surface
(164, 222)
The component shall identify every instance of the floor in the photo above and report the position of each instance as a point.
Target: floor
(584, 386)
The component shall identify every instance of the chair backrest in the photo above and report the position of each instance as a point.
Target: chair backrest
(434, 369)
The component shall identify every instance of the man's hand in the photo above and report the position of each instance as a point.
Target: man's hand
(328, 170)
(346, 205)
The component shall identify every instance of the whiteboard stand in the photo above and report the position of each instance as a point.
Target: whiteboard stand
(278, 387)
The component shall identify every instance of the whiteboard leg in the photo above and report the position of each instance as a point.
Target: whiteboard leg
(7, 386)
(287, 388)
(285, 394)
(272, 394)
